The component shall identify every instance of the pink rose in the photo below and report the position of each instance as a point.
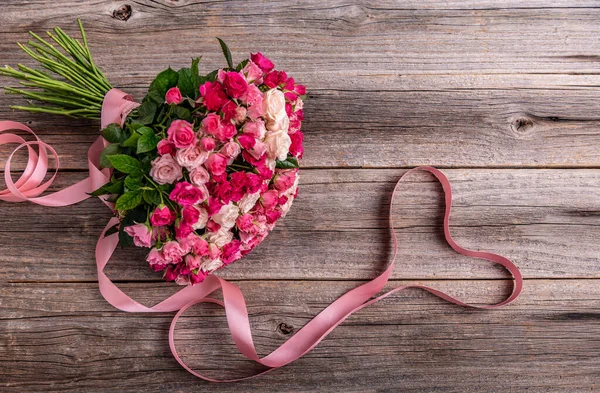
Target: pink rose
(165, 147)
(162, 216)
(272, 216)
(191, 157)
(214, 251)
(245, 223)
(258, 150)
(199, 176)
(269, 199)
(193, 261)
(172, 252)
(284, 180)
(182, 134)
(240, 114)
(262, 62)
(207, 143)
(253, 72)
(173, 96)
(211, 123)
(216, 163)
(255, 128)
(186, 194)
(155, 257)
(142, 237)
(226, 132)
(213, 95)
(231, 150)
(165, 170)
(231, 252)
(235, 84)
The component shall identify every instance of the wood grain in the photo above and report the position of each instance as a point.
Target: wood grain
(547, 221)
(545, 342)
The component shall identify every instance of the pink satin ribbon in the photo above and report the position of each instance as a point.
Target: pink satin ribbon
(115, 108)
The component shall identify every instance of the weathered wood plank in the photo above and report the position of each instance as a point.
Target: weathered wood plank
(71, 336)
(393, 85)
(547, 221)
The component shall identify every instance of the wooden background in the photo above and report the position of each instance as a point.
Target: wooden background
(504, 95)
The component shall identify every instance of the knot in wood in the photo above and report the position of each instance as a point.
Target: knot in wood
(285, 329)
(123, 13)
(522, 125)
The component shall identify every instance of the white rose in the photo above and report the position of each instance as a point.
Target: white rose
(191, 157)
(274, 103)
(227, 215)
(280, 123)
(278, 145)
(210, 266)
(202, 219)
(248, 201)
(221, 237)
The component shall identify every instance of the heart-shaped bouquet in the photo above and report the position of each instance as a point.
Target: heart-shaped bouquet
(202, 169)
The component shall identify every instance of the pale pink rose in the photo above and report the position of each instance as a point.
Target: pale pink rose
(165, 170)
(210, 266)
(155, 257)
(173, 96)
(274, 103)
(183, 279)
(221, 237)
(193, 261)
(199, 176)
(278, 145)
(231, 150)
(280, 123)
(253, 72)
(191, 157)
(255, 128)
(227, 215)
(299, 104)
(142, 237)
(202, 218)
(253, 96)
(173, 252)
(213, 251)
(240, 114)
(247, 202)
(258, 150)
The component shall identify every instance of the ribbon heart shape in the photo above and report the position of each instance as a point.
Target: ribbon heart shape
(115, 108)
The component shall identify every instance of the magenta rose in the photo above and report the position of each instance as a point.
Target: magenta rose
(211, 123)
(162, 216)
(207, 143)
(213, 95)
(186, 194)
(235, 84)
(173, 96)
(262, 62)
(165, 147)
(181, 134)
(216, 164)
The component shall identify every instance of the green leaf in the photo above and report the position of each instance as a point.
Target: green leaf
(133, 182)
(124, 163)
(242, 65)
(152, 197)
(189, 80)
(147, 142)
(145, 131)
(289, 163)
(114, 133)
(108, 151)
(129, 200)
(114, 187)
(132, 140)
(147, 112)
(182, 113)
(226, 53)
(111, 230)
(163, 82)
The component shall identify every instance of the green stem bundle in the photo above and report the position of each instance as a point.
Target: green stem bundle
(75, 87)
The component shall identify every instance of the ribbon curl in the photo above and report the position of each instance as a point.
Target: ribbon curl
(115, 108)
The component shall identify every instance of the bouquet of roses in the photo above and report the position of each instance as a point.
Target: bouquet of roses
(202, 169)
